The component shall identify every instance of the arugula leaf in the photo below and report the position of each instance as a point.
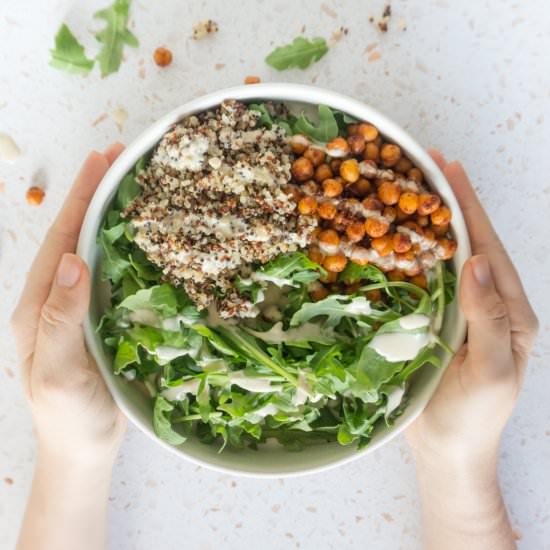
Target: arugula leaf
(114, 265)
(114, 36)
(68, 54)
(159, 298)
(265, 116)
(354, 273)
(301, 53)
(114, 233)
(254, 289)
(289, 269)
(324, 132)
(162, 424)
(128, 190)
(126, 354)
(372, 370)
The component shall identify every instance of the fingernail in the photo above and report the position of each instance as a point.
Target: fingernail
(482, 270)
(69, 270)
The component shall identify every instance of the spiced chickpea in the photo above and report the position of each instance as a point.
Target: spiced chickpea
(359, 255)
(374, 295)
(375, 227)
(310, 187)
(356, 144)
(335, 165)
(446, 248)
(383, 245)
(371, 152)
(355, 232)
(408, 202)
(329, 277)
(299, 143)
(403, 165)
(390, 154)
(319, 293)
(362, 187)
(329, 241)
(441, 216)
(307, 205)
(367, 131)
(390, 213)
(336, 263)
(440, 230)
(400, 215)
(314, 254)
(416, 175)
(396, 275)
(332, 187)
(302, 169)
(428, 233)
(428, 203)
(293, 191)
(315, 155)
(420, 280)
(389, 192)
(337, 147)
(372, 203)
(322, 172)
(349, 170)
(352, 129)
(353, 288)
(422, 221)
(401, 242)
(326, 210)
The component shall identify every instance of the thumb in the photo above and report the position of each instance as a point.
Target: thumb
(64, 310)
(486, 313)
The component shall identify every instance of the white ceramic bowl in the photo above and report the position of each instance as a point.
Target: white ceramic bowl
(271, 461)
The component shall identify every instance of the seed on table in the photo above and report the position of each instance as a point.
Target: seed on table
(162, 57)
(314, 254)
(419, 280)
(35, 195)
(447, 247)
(440, 230)
(422, 221)
(372, 203)
(403, 165)
(310, 187)
(362, 187)
(390, 213)
(302, 169)
(335, 165)
(396, 275)
(326, 210)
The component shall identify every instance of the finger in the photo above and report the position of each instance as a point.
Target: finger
(61, 238)
(113, 151)
(485, 240)
(438, 158)
(489, 341)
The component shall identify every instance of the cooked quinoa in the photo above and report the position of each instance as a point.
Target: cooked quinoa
(214, 200)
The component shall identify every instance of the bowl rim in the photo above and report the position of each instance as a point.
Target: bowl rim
(276, 92)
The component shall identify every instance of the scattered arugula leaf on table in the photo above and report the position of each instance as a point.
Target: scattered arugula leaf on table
(68, 54)
(300, 54)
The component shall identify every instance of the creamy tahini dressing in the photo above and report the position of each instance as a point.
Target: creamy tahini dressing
(165, 354)
(145, 317)
(414, 321)
(187, 155)
(278, 281)
(399, 346)
(177, 393)
(266, 410)
(359, 307)
(253, 384)
(276, 334)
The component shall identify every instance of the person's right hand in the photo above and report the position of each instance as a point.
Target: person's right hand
(463, 422)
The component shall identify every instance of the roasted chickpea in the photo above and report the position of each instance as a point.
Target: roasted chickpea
(349, 170)
(315, 155)
(413, 226)
(329, 277)
(390, 154)
(329, 241)
(319, 293)
(371, 152)
(352, 129)
(307, 205)
(355, 232)
(359, 255)
(390, 213)
(374, 295)
(310, 187)
(314, 235)
(401, 242)
(338, 147)
(376, 227)
(353, 288)
(314, 254)
(299, 143)
(383, 245)
(335, 165)
(415, 174)
(35, 195)
(367, 131)
(422, 221)
(293, 191)
(420, 280)
(389, 192)
(413, 270)
(332, 187)
(440, 230)
(361, 187)
(428, 233)
(446, 248)
(403, 165)
(336, 263)
(396, 275)
(356, 144)
(408, 202)
(326, 210)
(372, 203)
(322, 172)
(400, 215)
(302, 169)
(441, 216)
(428, 203)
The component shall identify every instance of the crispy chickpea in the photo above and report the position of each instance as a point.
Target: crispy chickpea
(322, 172)
(329, 240)
(314, 235)
(299, 143)
(408, 202)
(413, 270)
(332, 187)
(338, 147)
(329, 277)
(374, 295)
(359, 255)
(389, 192)
(319, 293)
(335, 165)
(356, 144)
(400, 215)
(428, 203)
(252, 80)
(372, 203)
(302, 169)
(375, 227)
(441, 216)
(422, 221)
(396, 275)
(162, 57)
(361, 187)
(310, 187)
(383, 245)
(390, 154)
(355, 232)
(401, 242)
(315, 155)
(413, 226)
(353, 288)
(371, 152)
(440, 230)
(336, 263)
(367, 131)
(390, 213)
(293, 191)
(447, 248)
(35, 195)
(428, 233)
(352, 129)
(326, 211)
(307, 205)
(420, 280)
(415, 174)
(314, 254)
(403, 165)
(349, 170)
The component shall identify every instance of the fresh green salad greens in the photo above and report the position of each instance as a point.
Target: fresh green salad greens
(300, 54)
(69, 55)
(309, 376)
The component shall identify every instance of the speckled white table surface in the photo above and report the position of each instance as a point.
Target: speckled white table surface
(468, 77)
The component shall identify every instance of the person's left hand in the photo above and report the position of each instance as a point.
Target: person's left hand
(74, 414)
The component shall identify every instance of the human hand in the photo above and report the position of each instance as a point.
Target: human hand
(463, 422)
(73, 412)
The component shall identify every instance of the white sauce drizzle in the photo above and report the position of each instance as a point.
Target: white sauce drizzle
(266, 410)
(177, 393)
(399, 346)
(165, 354)
(414, 321)
(253, 384)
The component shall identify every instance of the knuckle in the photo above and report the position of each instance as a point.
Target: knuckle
(498, 312)
(52, 315)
